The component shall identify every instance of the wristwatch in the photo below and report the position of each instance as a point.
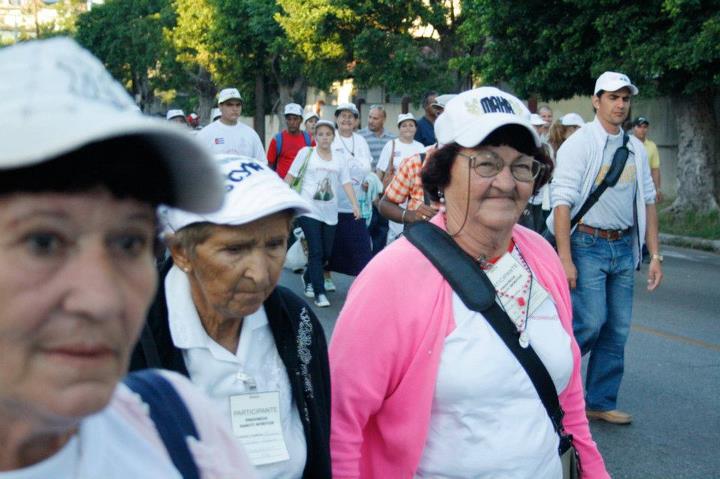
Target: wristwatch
(656, 256)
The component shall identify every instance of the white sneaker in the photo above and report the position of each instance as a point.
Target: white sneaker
(321, 301)
(308, 287)
(329, 285)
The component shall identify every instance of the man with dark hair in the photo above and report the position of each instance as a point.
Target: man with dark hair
(601, 253)
(641, 125)
(426, 125)
(285, 145)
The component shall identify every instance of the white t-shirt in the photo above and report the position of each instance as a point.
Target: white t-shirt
(487, 420)
(322, 184)
(402, 151)
(238, 139)
(219, 373)
(121, 442)
(356, 152)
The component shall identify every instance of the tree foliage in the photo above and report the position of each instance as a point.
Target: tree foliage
(405, 46)
(668, 47)
(127, 36)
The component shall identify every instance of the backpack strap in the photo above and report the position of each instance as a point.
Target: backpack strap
(170, 415)
(611, 178)
(278, 149)
(308, 140)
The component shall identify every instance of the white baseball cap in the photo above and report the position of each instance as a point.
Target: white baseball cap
(572, 119)
(405, 117)
(215, 114)
(58, 98)
(229, 94)
(613, 81)
(252, 191)
(174, 114)
(474, 114)
(442, 100)
(310, 114)
(293, 109)
(347, 107)
(536, 120)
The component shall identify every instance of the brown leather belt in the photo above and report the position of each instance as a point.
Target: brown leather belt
(611, 235)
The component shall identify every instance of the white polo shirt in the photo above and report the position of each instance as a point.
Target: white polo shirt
(238, 139)
(219, 373)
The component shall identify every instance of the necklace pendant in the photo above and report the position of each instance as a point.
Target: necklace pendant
(524, 340)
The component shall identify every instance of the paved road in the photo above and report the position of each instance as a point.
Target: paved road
(672, 377)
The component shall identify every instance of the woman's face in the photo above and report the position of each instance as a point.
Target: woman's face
(234, 271)
(407, 130)
(495, 203)
(324, 137)
(310, 125)
(76, 280)
(345, 122)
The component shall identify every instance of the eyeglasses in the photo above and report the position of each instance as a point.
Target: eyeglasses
(487, 164)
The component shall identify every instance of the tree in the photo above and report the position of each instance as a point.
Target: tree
(191, 38)
(127, 36)
(406, 46)
(668, 48)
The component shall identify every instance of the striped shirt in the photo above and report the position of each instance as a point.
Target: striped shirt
(376, 143)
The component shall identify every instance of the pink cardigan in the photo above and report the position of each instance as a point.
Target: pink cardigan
(385, 353)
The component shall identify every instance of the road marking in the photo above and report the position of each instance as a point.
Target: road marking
(676, 337)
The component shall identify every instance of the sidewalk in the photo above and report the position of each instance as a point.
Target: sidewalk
(690, 242)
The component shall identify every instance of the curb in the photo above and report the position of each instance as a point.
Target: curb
(690, 242)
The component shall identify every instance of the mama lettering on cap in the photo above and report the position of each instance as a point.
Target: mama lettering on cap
(472, 115)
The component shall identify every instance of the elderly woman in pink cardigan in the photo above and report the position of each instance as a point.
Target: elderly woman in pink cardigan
(423, 387)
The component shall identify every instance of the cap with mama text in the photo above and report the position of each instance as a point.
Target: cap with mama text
(58, 98)
(252, 191)
(293, 109)
(472, 115)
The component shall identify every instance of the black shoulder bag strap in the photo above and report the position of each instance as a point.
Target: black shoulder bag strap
(611, 178)
(469, 281)
(170, 415)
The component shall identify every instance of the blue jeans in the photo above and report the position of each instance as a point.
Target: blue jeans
(378, 230)
(602, 310)
(320, 237)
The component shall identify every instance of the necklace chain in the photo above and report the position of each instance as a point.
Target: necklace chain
(352, 152)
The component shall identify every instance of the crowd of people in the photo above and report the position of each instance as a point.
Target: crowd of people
(230, 374)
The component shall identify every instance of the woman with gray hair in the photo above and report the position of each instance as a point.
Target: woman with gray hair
(255, 348)
(77, 224)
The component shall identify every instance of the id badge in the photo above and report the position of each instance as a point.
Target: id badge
(256, 423)
(510, 277)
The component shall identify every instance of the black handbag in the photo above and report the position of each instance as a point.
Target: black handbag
(476, 291)
(611, 178)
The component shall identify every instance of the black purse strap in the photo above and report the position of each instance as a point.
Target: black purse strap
(616, 167)
(476, 291)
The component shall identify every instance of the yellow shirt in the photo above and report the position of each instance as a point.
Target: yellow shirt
(652, 152)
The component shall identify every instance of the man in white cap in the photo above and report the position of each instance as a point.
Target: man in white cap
(286, 144)
(600, 254)
(229, 135)
(176, 116)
